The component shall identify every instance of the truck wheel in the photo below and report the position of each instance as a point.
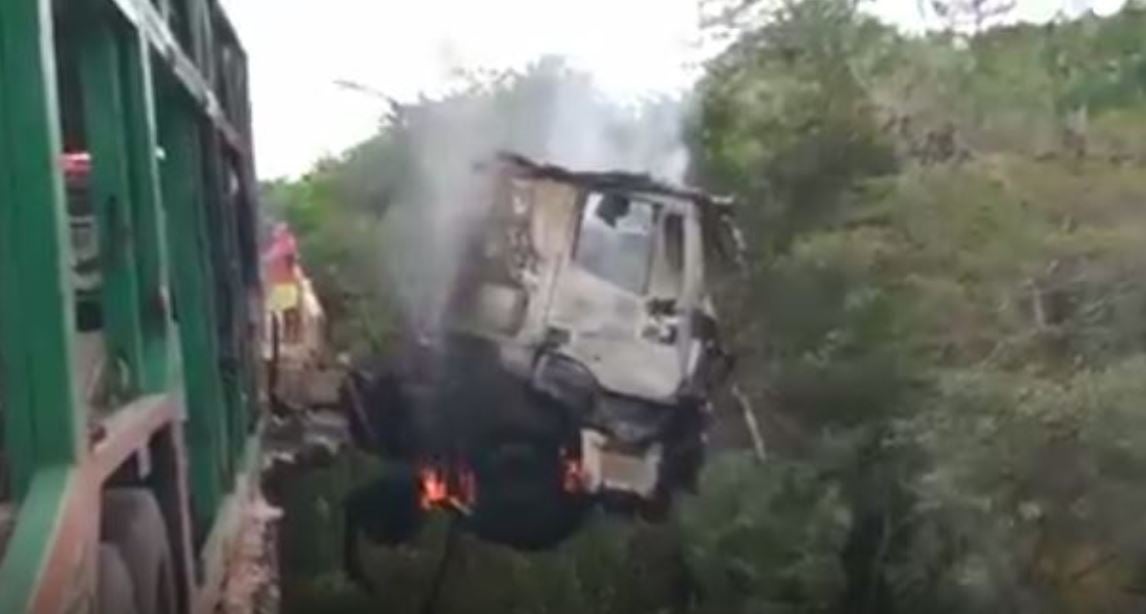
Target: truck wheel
(115, 593)
(132, 522)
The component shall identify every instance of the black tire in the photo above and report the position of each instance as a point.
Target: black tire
(115, 593)
(133, 523)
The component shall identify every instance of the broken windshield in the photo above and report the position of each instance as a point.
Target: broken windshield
(616, 239)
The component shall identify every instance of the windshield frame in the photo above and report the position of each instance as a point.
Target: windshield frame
(587, 212)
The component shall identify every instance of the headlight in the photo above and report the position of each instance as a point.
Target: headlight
(564, 380)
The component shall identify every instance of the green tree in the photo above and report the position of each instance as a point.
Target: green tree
(941, 297)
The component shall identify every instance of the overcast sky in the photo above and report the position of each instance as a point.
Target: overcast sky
(298, 48)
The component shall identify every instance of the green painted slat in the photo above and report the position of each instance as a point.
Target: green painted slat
(176, 56)
(41, 516)
(181, 174)
(44, 425)
(230, 275)
(139, 104)
(111, 194)
(138, 200)
(216, 235)
(246, 280)
(15, 383)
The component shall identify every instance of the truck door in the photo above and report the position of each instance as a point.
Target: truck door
(620, 292)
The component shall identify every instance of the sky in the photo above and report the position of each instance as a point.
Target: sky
(299, 49)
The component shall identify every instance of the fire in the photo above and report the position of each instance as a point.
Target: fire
(434, 490)
(455, 487)
(440, 488)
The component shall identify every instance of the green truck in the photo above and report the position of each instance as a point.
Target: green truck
(130, 305)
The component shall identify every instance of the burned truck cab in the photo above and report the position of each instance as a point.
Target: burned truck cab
(570, 370)
(592, 288)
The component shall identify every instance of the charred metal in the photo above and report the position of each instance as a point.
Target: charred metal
(579, 350)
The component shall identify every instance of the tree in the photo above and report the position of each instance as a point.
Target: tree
(951, 334)
(941, 317)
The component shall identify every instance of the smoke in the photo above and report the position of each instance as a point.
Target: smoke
(547, 112)
(585, 131)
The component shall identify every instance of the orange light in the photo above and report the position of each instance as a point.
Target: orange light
(434, 488)
(438, 490)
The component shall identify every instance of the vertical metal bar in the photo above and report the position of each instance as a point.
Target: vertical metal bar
(181, 177)
(216, 214)
(209, 62)
(43, 422)
(248, 212)
(233, 196)
(148, 218)
(197, 16)
(111, 194)
(179, 19)
(249, 301)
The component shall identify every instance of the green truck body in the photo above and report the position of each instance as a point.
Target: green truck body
(123, 492)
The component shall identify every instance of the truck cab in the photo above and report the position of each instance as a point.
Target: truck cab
(592, 287)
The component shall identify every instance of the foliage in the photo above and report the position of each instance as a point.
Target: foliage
(942, 320)
(945, 297)
(610, 567)
(765, 539)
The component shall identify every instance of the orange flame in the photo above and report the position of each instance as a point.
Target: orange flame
(434, 490)
(438, 490)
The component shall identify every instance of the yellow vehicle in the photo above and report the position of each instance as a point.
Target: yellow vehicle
(295, 333)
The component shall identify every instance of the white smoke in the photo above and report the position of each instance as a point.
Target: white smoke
(549, 114)
(586, 131)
